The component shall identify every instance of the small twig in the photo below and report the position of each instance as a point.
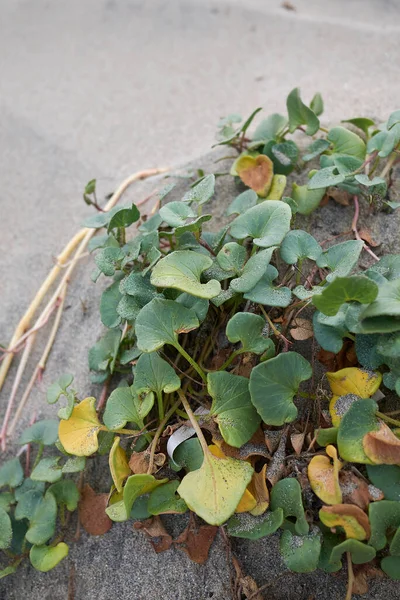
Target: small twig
(350, 580)
(277, 333)
(206, 246)
(103, 396)
(355, 230)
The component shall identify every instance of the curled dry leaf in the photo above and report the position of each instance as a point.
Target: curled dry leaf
(250, 588)
(272, 439)
(356, 490)
(297, 441)
(382, 446)
(92, 514)
(340, 196)
(351, 518)
(256, 173)
(366, 235)
(324, 476)
(158, 536)
(362, 573)
(139, 462)
(196, 541)
(302, 329)
(258, 488)
(345, 358)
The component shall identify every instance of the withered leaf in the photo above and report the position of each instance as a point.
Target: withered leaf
(302, 329)
(139, 462)
(158, 536)
(92, 513)
(382, 446)
(297, 441)
(356, 490)
(196, 541)
(366, 235)
(340, 196)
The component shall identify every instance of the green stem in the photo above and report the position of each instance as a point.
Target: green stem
(126, 431)
(229, 360)
(181, 413)
(324, 129)
(190, 360)
(308, 396)
(389, 165)
(160, 406)
(38, 455)
(194, 423)
(298, 273)
(388, 419)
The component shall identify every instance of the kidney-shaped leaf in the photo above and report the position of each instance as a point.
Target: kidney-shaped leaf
(66, 493)
(356, 288)
(152, 373)
(383, 315)
(79, 433)
(232, 407)
(253, 271)
(360, 553)
(232, 257)
(341, 258)
(383, 516)
(43, 522)
(274, 383)
(256, 172)
(300, 553)
(267, 223)
(164, 500)
(124, 405)
(347, 142)
(182, 270)
(265, 293)
(286, 494)
(297, 245)
(11, 473)
(214, 491)
(249, 527)
(359, 420)
(47, 469)
(175, 214)
(248, 329)
(44, 558)
(300, 114)
(160, 322)
(43, 432)
(387, 479)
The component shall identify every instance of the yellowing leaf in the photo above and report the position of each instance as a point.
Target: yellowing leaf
(382, 446)
(324, 477)
(256, 173)
(118, 463)
(247, 501)
(351, 518)
(214, 491)
(348, 385)
(78, 434)
(258, 487)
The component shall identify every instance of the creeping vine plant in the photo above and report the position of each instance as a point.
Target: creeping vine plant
(200, 325)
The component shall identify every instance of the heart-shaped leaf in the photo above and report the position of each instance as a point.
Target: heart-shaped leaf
(248, 329)
(28, 497)
(43, 522)
(297, 245)
(232, 407)
(360, 553)
(164, 500)
(176, 214)
(160, 322)
(284, 156)
(351, 518)
(43, 432)
(346, 142)
(253, 528)
(255, 172)
(306, 200)
(66, 493)
(270, 128)
(214, 491)
(232, 257)
(361, 122)
(267, 223)
(253, 271)
(182, 270)
(242, 202)
(329, 331)
(79, 433)
(265, 293)
(328, 176)
(47, 469)
(391, 566)
(286, 494)
(118, 463)
(44, 558)
(201, 192)
(11, 473)
(324, 477)
(300, 553)
(198, 305)
(125, 404)
(341, 258)
(136, 486)
(154, 374)
(124, 217)
(300, 114)
(387, 479)
(315, 149)
(75, 464)
(5, 530)
(356, 288)
(273, 385)
(384, 516)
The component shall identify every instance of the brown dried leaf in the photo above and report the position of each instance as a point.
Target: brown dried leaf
(158, 536)
(92, 515)
(382, 446)
(340, 196)
(366, 235)
(288, 6)
(250, 588)
(362, 573)
(276, 467)
(219, 358)
(302, 329)
(272, 439)
(356, 490)
(196, 541)
(139, 462)
(297, 441)
(348, 516)
(256, 173)
(258, 488)
(345, 358)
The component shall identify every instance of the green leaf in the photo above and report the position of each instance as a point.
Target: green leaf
(108, 260)
(391, 566)
(383, 516)
(277, 188)
(300, 114)
(383, 315)
(393, 119)
(360, 553)
(306, 200)
(232, 257)
(5, 529)
(164, 500)
(127, 405)
(326, 436)
(359, 420)
(101, 219)
(241, 203)
(43, 522)
(139, 509)
(297, 245)
(160, 322)
(28, 496)
(270, 128)
(325, 177)
(124, 217)
(362, 123)
(356, 288)
(374, 182)
(267, 223)
(137, 485)
(284, 156)
(11, 473)
(387, 479)
(8, 571)
(182, 270)
(150, 226)
(6, 500)
(341, 258)
(265, 293)
(317, 104)
(58, 389)
(388, 266)
(281, 377)
(47, 469)
(44, 558)
(346, 142)
(346, 165)
(393, 205)
(198, 305)
(66, 493)
(138, 286)
(176, 214)
(104, 353)
(248, 329)
(286, 494)
(189, 455)
(244, 525)
(110, 299)
(43, 432)
(300, 553)
(232, 407)
(253, 271)
(201, 192)
(154, 374)
(366, 350)
(385, 141)
(330, 331)
(315, 149)
(214, 491)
